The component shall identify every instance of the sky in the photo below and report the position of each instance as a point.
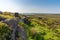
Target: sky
(30, 6)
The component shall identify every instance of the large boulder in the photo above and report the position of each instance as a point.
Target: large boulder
(16, 14)
(1, 18)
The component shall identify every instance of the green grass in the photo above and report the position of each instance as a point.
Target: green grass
(47, 28)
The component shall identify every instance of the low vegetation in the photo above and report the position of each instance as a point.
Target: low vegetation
(39, 27)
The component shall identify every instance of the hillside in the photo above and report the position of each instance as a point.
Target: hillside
(38, 27)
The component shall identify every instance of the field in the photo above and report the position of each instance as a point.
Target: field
(41, 26)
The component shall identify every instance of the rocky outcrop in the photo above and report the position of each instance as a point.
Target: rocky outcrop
(1, 18)
(14, 25)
